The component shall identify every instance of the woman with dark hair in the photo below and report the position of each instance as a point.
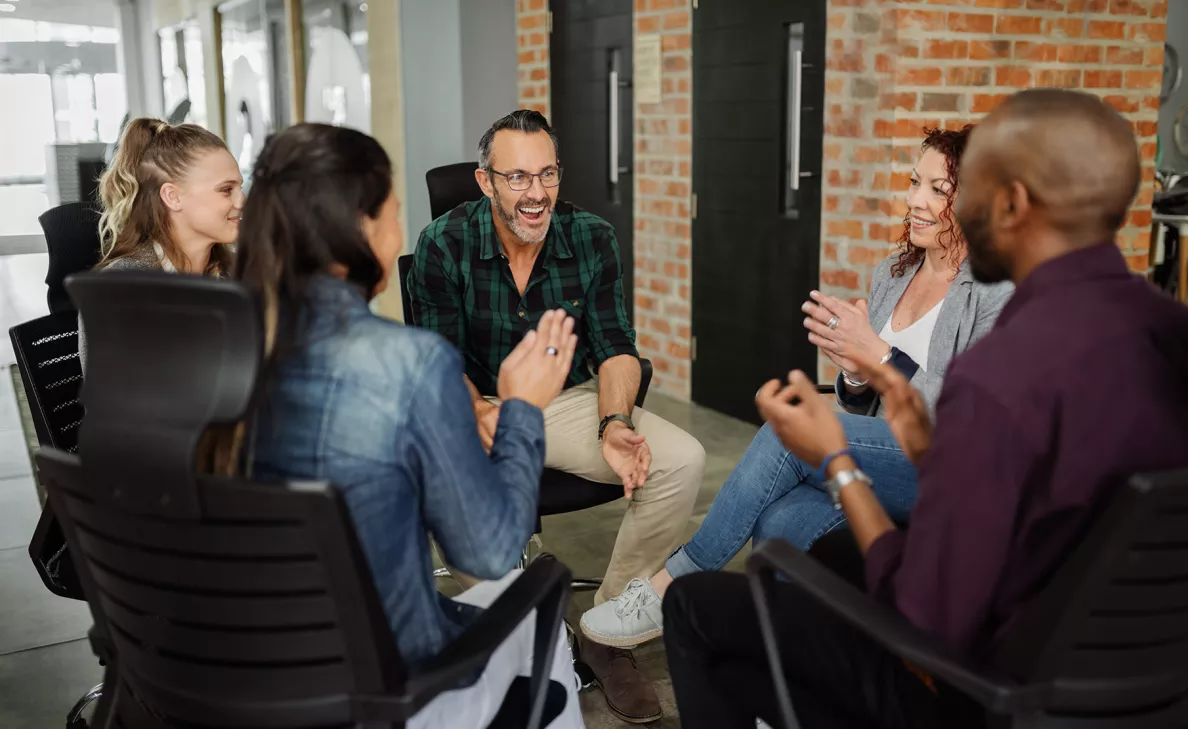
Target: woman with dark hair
(925, 308)
(381, 411)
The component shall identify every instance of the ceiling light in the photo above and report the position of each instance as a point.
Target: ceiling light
(7, 8)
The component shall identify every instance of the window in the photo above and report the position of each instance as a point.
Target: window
(67, 80)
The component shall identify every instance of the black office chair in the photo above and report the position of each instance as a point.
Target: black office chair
(72, 240)
(220, 602)
(450, 186)
(1103, 646)
(47, 358)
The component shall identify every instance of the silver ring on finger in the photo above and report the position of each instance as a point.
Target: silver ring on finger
(551, 351)
(833, 322)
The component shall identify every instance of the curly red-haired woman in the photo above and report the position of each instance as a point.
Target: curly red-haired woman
(925, 308)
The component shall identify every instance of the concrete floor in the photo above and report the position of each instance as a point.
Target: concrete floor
(45, 661)
(583, 541)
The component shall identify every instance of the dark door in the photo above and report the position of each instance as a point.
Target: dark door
(758, 90)
(591, 54)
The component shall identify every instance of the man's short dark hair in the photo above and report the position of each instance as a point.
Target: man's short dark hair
(521, 120)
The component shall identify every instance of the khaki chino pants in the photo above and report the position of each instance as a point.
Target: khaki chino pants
(658, 512)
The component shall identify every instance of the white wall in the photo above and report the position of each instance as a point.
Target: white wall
(459, 60)
(140, 58)
(489, 55)
(430, 34)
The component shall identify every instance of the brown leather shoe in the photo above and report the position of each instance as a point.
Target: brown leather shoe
(629, 695)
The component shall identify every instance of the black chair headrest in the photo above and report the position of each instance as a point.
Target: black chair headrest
(72, 241)
(450, 186)
(167, 356)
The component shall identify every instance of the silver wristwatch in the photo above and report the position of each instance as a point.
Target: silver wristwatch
(842, 480)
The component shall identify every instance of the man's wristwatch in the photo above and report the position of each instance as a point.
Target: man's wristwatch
(843, 479)
(612, 418)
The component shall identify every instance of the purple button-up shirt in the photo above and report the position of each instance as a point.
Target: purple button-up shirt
(1082, 383)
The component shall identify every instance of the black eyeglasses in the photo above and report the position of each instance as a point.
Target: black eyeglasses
(521, 181)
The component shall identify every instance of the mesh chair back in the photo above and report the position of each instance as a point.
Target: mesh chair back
(47, 358)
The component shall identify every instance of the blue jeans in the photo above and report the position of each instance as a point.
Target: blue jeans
(772, 493)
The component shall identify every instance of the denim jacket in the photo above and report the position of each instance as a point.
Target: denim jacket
(381, 411)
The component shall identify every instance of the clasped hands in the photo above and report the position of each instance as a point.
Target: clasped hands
(807, 425)
(536, 371)
(851, 337)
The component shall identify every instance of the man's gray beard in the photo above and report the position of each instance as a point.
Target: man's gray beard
(527, 236)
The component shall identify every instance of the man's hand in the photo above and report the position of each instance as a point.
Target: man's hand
(906, 412)
(628, 455)
(487, 415)
(802, 419)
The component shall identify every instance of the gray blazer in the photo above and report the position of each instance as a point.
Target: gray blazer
(146, 261)
(967, 314)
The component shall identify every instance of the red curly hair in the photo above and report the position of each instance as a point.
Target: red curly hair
(952, 145)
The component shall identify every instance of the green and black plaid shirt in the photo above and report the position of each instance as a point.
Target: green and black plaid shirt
(462, 288)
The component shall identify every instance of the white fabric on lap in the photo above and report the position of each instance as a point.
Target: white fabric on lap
(475, 706)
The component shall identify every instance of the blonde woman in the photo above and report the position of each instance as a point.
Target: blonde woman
(171, 202)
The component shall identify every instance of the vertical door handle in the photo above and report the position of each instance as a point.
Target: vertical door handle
(613, 104)
(794, 119)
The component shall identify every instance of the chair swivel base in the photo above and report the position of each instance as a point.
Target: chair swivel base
(75, 720)
(578, 584)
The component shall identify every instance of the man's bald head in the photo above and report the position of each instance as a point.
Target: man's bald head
(1046, 161)
(1074, 154)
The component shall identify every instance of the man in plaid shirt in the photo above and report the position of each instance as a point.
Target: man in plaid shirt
(484, 275)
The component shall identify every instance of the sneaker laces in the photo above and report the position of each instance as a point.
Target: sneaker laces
(633, 600)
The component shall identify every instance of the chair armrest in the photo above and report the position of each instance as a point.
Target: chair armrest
(51, 557)
(645, 379)
(988, 686)
(545, 587)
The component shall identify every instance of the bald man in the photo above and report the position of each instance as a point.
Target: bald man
(1080, 384)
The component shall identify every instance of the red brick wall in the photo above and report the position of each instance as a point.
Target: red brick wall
(663, 175)
(532, 35)
(894, 67)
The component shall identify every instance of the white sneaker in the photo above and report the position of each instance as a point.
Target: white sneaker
(627, 620)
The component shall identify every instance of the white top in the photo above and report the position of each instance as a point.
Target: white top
(913, 340)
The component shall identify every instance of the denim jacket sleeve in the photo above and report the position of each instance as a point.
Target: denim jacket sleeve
(481, 509)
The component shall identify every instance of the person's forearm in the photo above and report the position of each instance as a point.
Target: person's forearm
(868, 521)
(618, 384)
